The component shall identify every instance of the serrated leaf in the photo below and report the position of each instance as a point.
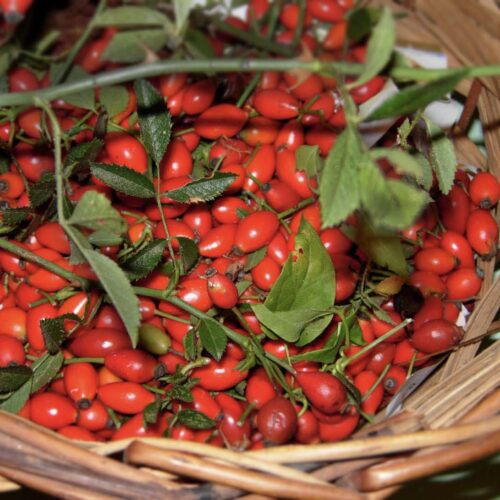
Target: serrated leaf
(94, 211)
(13, 377)
(84, 98)
(295, 307)
(143, 262)
(382, 246)
(338, 186)
(189, 344)
(380, 47)
(133, 46)
(195, 420)
(152, 412)
(180, 393)
(188, 251)
(14, 216)
(442, 156)
(124, 179)
(254, 258)
(131, 16)
(426, 171)
(213, 338)
(119, 290)
(417, 96)
(53, 331)
(390, 204)
(43, 190)
(154, 119)
(403, 163)
(308, 159)
(83, 153)
(114, 99)
(319, 355)
(203, 189)
(104, 238)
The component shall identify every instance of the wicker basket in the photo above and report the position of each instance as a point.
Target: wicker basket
(450, 420)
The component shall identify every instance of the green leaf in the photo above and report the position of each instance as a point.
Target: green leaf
(202, 189)
(140, 264)
(426, 171)
(94, 211)
(442, 156)
(417, 96)
(182, 8)
(189, 344)
(382, 246)
(43, 190)
(213, 338)
(53, 331)
(84, 98)
(119, 290)
(17, 399)
(181, 393)
(303, 292)
(189, 255)
(320, 356)
(13, 377)
(124, 179)
(404, 163)
(338, 187)
(131, 16)
(390, 204)
(308, 159)
(133, 46)
(255, 258)
(154, 119)
(45, 369)
(152, 412)
(243, 285)
(102, 238)
(82, 154)
(114, 99)
(380, 47)
(195, 420)
(198, 44)
(289, 325)
(14, 216)
(360, 23)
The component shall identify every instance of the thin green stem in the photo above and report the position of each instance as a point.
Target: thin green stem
(368, 347)
(47, 264)
(296, 208)
(252, 39)
(248, 89)
(172, 317)
(63, 71)
(422, 74)
(216, 65)
(97, 361)
(377, 382)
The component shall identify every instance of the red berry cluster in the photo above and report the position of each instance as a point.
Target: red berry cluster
(106, 385)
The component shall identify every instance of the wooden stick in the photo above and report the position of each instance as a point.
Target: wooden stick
(49, 486)
(349, 472)
(189, 465)
(380, 445)
(208, 451)
(470, 105)
(383, 476)
(89, 464)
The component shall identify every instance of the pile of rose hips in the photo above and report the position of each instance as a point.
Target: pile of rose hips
(104, 398)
